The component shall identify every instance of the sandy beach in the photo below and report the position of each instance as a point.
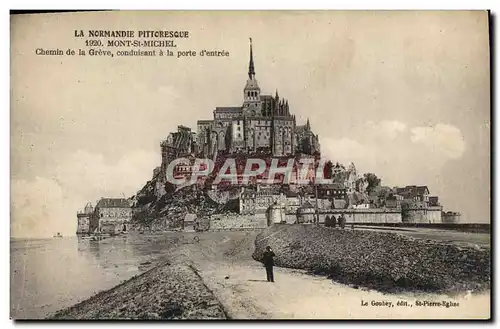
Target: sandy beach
(225, 267)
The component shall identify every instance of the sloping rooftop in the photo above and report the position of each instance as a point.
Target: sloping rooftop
(113, 203)
(248, 194)
(332, 186)
(412, 190)
(422, 189)
(231, 109)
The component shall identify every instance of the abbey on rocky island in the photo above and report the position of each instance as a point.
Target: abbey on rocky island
(263, 124)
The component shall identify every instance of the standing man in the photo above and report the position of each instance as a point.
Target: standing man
(269, 263)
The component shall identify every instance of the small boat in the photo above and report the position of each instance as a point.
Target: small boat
(58, 235)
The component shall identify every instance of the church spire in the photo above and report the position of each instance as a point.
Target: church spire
(251, 68)
(308, 125)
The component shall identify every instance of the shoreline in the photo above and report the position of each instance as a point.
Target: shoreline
(216, 278)
(165, 292)
(229, 301)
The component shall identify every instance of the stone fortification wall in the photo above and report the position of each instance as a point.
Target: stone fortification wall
(364, 215)
(450, 218)
(228, 222)
(357, 215)
(430, 215)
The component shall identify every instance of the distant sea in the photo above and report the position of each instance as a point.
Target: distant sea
(49, 274)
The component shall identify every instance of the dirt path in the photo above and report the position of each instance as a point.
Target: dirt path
(296, 295)
(239, 282)
(246, 294)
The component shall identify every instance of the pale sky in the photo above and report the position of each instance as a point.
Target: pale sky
(405, 95)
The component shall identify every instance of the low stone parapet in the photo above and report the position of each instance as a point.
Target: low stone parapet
(229, 222)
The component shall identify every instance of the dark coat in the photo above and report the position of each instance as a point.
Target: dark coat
(267, 258)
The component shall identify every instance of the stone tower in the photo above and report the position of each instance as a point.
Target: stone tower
(88, 209)
(251, 93)
(352, 177)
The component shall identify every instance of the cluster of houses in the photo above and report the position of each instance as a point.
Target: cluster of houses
(114, 215)
(409, 204)
(335, 196)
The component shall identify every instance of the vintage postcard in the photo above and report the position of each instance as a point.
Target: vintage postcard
(250, 165)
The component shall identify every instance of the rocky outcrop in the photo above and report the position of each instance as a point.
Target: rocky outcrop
(163, 293)
(153, 211)
(383, 261)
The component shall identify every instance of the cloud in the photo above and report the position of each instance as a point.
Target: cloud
(44, 206)
(89, 175)
(386, 128)
(39, 209)
(442, 138)
(374, 144)
(394, 155)
(346, 150)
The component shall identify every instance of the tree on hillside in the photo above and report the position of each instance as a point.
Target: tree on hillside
(373, 182)
(382, 191)
(359, 181)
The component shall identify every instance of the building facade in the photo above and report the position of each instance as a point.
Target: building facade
(332, 191)
(111, 216)
(177, 144)
(255, 202)
(414, 196)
